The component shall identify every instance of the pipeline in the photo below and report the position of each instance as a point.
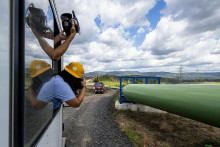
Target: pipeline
(197, 102)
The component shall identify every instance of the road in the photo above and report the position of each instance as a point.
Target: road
(91, 125)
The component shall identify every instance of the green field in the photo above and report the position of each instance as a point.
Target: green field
(114, 81)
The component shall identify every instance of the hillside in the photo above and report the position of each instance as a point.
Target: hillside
(186, 76)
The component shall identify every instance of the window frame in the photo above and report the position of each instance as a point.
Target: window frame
(17, 72)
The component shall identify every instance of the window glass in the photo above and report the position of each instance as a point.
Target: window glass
(4, 72)
(39, 38)
(98, 84)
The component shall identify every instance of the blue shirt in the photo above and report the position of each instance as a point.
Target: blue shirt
(56, 90)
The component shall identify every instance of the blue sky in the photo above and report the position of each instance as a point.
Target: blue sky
(155, 14)
(98, 21)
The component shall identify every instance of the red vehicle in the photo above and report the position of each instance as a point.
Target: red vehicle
(99, 87)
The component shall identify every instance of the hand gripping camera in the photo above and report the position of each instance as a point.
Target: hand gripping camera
(39, 20)
(67, 22)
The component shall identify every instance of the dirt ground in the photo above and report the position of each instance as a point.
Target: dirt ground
(166, 130)
(163, 129)
(92, 125)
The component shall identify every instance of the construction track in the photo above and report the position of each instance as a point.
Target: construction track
(92, 124)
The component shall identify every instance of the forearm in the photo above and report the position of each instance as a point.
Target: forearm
(60, 50)
(81, 95)
(57, 39)
(46, 47)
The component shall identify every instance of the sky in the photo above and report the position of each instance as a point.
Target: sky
(145, 35)
(33, 51)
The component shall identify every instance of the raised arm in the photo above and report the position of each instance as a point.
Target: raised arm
(60, 50)
(77, 101)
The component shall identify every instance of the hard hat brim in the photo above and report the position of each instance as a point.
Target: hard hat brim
(40, 71)
(72, 73)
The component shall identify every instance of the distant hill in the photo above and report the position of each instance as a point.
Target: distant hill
(186, 76)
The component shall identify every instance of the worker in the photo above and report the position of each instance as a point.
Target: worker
(61, 49)
(68, 86)
(40, 73)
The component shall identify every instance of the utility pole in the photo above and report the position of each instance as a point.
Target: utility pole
(181, 73)
(197, 75)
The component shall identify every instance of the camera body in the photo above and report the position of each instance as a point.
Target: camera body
(67, 22)
(39, 20)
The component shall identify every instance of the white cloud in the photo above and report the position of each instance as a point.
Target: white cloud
(166, 38)
(141, 30)
(108, 47)
(111, 52)
(187, 34)
(128, 14)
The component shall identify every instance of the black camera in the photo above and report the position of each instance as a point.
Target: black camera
(67, 22)
(39, 20)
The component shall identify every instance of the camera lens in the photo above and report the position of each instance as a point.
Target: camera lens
(66, 23)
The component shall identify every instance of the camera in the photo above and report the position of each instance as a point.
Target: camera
(67, 22)
(39, 20)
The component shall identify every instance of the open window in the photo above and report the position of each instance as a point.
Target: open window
(40, 29)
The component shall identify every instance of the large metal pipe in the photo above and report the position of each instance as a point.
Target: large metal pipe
(198, 102)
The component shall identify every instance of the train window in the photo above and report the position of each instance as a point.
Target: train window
(39, 37)
(4, 72)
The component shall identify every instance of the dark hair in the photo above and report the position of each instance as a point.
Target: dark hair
(39, 80)
(74, 83)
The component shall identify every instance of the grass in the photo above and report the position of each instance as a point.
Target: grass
(111, 83)
(216, 142)
(116, 97)
(27, 83)
(115, 82)
(136, 138)
(213, 143)
(165, 130)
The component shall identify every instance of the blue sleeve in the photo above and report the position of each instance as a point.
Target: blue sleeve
(63, 91)
(46, 93)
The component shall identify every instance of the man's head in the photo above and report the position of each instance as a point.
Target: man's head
(76, 69)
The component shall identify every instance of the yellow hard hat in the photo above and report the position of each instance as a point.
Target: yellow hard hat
(76, 69)
(37, 67)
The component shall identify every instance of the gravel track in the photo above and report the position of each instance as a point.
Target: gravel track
(91, 125)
